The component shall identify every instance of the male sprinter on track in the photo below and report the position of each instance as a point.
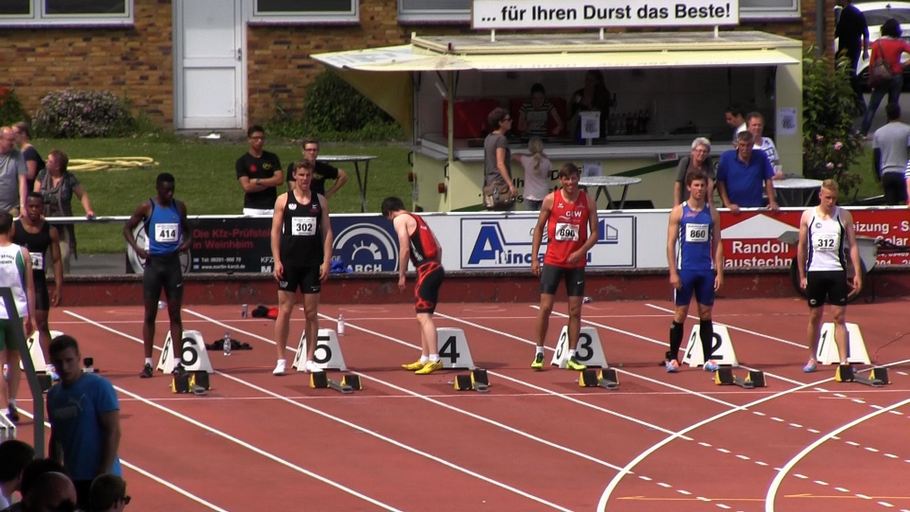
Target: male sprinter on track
(302, 250)
(417, 242)
(571, 220)
(37, 235)
(15, 273)
(696, 259)
(169, 234)
(823, 231)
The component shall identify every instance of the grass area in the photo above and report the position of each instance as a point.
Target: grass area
(205, 178)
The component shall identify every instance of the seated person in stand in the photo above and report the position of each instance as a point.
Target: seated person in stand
(534, 115)
(740, 176)
(755, 123)
(699, 159)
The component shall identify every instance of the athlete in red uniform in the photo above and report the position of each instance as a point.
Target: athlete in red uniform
(417, 243)
(571, 220)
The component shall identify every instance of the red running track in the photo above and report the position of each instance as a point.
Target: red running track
(536, 441)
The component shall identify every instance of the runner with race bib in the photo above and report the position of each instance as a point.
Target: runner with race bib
(570, 217)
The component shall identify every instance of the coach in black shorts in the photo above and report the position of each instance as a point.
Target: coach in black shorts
(168, 234)
(302, 250)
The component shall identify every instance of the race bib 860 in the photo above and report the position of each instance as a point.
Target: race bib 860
(696, 232)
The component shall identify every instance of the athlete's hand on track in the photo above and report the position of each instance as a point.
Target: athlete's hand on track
(401, 283)
(323, 272)
(279, 271)
(55, 297)
(535, 267)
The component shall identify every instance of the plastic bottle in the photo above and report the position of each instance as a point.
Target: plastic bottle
(244, 310)
(340, 326)
(227, 343)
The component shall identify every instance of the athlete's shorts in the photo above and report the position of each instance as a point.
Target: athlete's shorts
(306, 278)
(42, 299)
(426, 291)
(6, 336)
(699, 281)
(574, 278)
(826, 286)
(163, 272)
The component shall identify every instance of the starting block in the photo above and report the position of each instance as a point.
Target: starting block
(347, 385)
(754, 379)
(477, 380)
(193, 358)
(328, 355)
(196, 382)
(592, 378)
(877, 377)
(827, 348)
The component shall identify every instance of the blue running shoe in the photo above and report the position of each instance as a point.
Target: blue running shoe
(710, 366)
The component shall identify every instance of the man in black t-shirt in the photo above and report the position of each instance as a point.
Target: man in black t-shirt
(259, 173)
(322, 171)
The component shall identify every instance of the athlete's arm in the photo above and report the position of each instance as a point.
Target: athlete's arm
(592, 233)
(58, 266)
(402, 227)
(142, 211)
(29, 289)
(718, 251)
(185, 230)
(854, 251)
(802, 248)
(672, 237)
(537, 236)
(277, 222)
(328, 238)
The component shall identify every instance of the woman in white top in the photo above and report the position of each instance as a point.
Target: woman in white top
(826, 234)
(537, 174)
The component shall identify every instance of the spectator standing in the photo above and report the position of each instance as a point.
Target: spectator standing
(84, 414)
(259, 173)
(594, 96)
(13, 173)
(497, 158)
(108, 494)
(14, 456)
(321, 171)
(735, 119)
(852, 34)
(699, 159)
(889, 157)
(534, 115)
(755, 123)
(889, 48)
(33, 161)
(57, 187)
(740, 176)
(537, 174)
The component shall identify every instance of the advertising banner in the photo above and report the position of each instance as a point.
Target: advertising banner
(546, 14)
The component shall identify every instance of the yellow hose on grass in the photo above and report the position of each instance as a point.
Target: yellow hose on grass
(111, 163)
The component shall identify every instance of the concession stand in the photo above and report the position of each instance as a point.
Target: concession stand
(665, 89)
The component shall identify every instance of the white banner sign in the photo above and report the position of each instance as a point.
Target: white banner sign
(541, 14)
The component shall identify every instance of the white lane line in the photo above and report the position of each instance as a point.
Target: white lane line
(148, 474)
(416, 395)
(354, 426)
(740, 329)
(779, 477)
